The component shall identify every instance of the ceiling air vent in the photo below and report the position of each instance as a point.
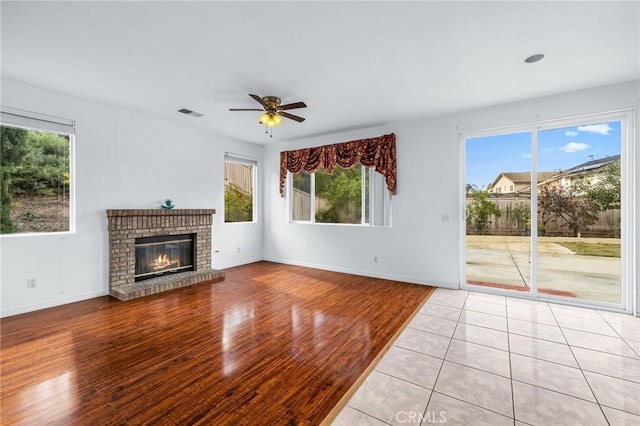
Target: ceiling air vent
(189, 112)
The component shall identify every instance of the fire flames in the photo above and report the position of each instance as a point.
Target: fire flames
(164, 262)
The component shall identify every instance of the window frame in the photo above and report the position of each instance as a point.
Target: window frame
(364, 222)
(28, 120)
(628, 171)
(249, 161)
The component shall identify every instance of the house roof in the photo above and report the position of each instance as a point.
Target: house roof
(580, 168)
(524, 177)
(521, 177)
(592, 164)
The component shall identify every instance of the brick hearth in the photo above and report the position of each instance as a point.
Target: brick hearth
(127, 225)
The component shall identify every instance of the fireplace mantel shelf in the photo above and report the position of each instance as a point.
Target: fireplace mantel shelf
(159, 212)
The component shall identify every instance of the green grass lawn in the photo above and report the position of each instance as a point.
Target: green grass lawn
(587, 249)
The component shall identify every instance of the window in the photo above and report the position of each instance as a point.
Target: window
(511, 188)
(239, 189)
(339, 195)
(348, 196)
(301, 197)
(36, 178)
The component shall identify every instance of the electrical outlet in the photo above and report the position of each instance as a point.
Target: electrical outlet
(31, 282)
(238, 249)
(375, 259)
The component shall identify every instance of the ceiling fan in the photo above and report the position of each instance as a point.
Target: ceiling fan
(273, 111)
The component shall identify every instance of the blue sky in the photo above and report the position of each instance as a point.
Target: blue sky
(558, 149)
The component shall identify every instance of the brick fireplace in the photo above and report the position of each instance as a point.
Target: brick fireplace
(127, 228)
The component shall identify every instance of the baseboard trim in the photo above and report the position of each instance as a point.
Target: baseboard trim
(91, 295)
(370, 274)
(240, 263)
(53, 303)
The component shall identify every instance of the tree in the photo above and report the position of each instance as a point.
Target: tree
(44, 169)
(13, 147)
(302, 182)
(238, 207)
(604, 189)
(571, 204)
(343, 191)
(521, 215)
(471, 188)
(480, 209)
(6, 224)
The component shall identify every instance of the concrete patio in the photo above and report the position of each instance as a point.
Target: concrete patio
(505, 261)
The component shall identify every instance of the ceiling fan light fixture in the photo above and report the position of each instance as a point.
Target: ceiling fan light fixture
(270, 119)
(274, 113)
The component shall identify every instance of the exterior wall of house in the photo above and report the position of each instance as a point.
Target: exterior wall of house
(592, 176)
(503, 186)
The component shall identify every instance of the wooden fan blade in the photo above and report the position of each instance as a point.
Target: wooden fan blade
(291, 116)
(245, 109)
(259, 100)
(293, 106)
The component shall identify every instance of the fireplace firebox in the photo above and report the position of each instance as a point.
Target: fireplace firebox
(163, 254)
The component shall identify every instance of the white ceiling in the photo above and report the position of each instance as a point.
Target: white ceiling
(355, 64)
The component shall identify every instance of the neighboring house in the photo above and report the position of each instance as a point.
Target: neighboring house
(589, 170)
(515, 182)
(520, 182)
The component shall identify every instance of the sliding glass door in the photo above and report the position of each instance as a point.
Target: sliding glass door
(545, 211)
(579, 212)
(498, 212)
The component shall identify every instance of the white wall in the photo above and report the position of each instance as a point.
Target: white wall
(123, 160)
(401, 249)
(420, 247)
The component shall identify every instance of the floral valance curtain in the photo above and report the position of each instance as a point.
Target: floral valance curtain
(379, 153)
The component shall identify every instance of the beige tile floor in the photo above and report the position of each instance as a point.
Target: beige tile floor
(477, 359)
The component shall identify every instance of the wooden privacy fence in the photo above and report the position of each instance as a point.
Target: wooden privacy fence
(239, 176)
(607, 225)
(301, 205)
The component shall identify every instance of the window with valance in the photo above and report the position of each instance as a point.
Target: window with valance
(345, 183)
(378, 153)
